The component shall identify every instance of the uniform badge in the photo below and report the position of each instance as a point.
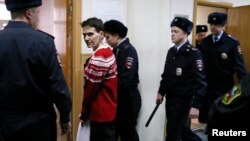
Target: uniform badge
(224, 56)
(178, 71)
(199, 65)
(239, 50)
(129, 62)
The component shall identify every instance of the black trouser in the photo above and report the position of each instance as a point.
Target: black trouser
(177, 111)
(136, 102)
(129, 105)
(211, 95)
(102, 131)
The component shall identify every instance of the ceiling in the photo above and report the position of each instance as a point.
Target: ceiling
(234, 2)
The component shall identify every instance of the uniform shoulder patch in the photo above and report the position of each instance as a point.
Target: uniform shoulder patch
(199, 64)
(129, 62)
(46, 33)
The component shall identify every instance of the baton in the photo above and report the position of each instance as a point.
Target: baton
(152, 114)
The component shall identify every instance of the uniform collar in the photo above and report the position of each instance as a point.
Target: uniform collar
(121, 41)
(219, 36)
(123, 44)
(221, 39)
(179, 46)
(17, 24)
(184, 46)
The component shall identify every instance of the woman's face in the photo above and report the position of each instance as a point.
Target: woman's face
(91, 37)
(111, 39)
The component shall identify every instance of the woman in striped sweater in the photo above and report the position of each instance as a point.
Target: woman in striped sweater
(100, 87)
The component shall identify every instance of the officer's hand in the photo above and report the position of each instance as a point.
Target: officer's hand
(194, 113)
(82, 119)
(159, 99)
(65, 127)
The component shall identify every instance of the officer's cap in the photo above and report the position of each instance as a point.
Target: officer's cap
(14, 5)
(183, 24)
(201, 28)
(217, 18)
(116, 27)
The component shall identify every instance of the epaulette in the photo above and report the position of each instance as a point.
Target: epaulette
(46, 33)
(126, 47)
(232, 37)
(192, 48)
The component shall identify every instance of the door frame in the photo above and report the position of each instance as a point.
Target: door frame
(75, 43)
(225, 5)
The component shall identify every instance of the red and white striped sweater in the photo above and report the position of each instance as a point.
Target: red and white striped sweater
(100, 87)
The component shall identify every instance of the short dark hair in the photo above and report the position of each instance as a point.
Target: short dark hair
(93, 22)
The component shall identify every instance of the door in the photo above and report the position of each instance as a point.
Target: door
(55, 21)
(202, 13)
(238, 27)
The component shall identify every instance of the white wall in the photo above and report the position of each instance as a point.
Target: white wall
(47, 12)
(149, 31)
(5, 14)
(152, 40)
(148, 25)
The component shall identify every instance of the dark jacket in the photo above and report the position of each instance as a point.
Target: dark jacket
(184, 75)
(31, 79)
(127, 65)
(221, 60)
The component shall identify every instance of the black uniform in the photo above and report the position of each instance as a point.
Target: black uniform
(129, 99)
(31, 81)
(184, 83)
(221, 60)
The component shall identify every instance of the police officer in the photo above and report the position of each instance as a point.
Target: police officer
(201, 32)
(129, 99)
(31, 79)
(183, 80)
(222, 56)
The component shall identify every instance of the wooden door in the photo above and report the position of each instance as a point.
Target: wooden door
(238, 27)
(202, 13)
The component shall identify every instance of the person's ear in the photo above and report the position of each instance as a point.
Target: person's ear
(101, 34)
(28, 14)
